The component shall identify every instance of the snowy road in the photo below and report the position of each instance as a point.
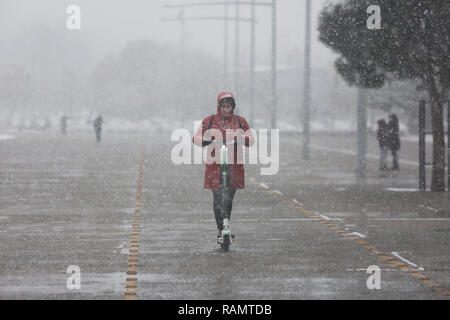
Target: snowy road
(6, 137)
(309, 232)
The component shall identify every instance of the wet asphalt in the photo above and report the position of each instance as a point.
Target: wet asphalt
(68, 201)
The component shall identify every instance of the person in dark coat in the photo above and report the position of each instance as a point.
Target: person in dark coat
(98, 122)
(394, 139)
(382, 142)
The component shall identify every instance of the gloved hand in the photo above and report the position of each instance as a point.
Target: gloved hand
(208, 142)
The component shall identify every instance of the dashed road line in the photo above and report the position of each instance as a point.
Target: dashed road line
(394, 263)
(133, 245)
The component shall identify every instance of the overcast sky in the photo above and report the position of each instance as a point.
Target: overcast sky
(107, 25)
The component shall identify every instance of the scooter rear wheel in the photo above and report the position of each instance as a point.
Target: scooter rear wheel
(226, 243)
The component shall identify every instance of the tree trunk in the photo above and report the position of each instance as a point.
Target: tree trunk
(437, 123)
(362, 133)
(437, 118)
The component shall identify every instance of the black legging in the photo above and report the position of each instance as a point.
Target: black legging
(223, 202)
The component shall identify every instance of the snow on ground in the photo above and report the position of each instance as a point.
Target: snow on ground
(82, 123)
(415, 138)
(316, 126)
(401, 189)
(6, 137)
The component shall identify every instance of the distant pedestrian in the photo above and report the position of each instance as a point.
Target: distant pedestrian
(64, 125)
(98, 122)
(394, 139)
(382, 142)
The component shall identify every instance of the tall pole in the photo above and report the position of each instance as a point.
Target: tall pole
(448, 145)
(252, 65)
(307, 84)
(182, 69)
(274, 65)
(253, 3)
(422, 177)
(236, 53)
(225, 46)
(182, 22)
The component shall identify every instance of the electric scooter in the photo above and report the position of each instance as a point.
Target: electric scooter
(227, 238)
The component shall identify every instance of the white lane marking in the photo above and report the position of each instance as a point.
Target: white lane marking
(324, 216)
(365, 269)
(294, 219)
(277, 192)
(236, 220)
(407, 261)
(275, 239)
(357, 234)
(265, 186)
(429, 208)
(258, 220)
(297, 202)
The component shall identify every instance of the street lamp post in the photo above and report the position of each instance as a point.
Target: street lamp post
(252, 65)
(307, 84)
(226, 18)
(225, 47)
(236, 48)
(274, 66)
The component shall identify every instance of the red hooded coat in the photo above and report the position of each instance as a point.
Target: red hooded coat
(213, 171)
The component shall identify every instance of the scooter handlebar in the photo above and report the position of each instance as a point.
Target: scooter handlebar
(223, 142)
